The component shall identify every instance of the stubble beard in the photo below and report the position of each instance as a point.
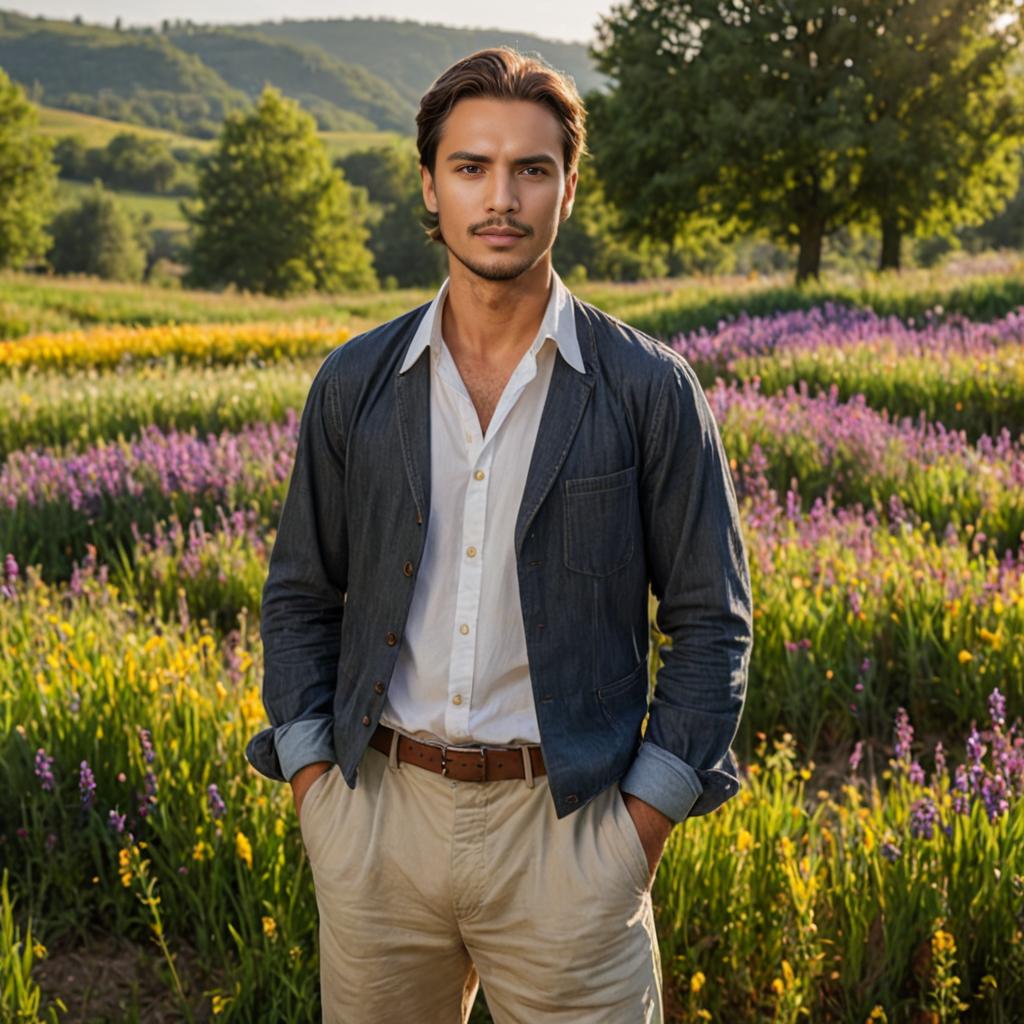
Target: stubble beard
(505, 270)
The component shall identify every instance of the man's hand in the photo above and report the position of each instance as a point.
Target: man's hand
(304, 778)
(653, 828)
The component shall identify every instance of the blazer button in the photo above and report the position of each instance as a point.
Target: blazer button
(407, 568)
(571, 798)
(391, 639)
(366, 719)
(378, 686)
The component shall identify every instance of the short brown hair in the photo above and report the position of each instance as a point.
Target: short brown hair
(499, 73)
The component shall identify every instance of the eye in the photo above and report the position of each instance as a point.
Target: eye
(466, 167)
(540, 171)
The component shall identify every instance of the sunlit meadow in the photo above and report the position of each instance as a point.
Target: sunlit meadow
(871, 867)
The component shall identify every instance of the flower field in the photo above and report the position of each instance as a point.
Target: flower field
(871, 867)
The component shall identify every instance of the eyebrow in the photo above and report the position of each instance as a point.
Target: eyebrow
(479, 158)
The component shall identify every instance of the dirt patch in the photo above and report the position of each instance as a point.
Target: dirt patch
(109, 979)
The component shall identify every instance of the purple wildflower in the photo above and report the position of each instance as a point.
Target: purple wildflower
(923, 816)
(904, 735)
(44, 769)
(86, 785)
(217, 808)
(997, 708)
(890, 851)
(147, 745)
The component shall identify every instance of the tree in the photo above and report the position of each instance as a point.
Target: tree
(273, 215)
(767, 112)
(28, 179)
(133, 161)
(399, 243)
(98, 236)
(944, 118)
(591, 241)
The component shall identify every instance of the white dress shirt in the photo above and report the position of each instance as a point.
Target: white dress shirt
(462, 676)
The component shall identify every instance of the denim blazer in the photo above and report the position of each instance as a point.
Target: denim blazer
(628, 488)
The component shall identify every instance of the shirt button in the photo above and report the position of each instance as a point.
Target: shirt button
(464, 629)
(479, 474)
(471, 551)
(391, 639)
(457, 699)
(407, 568)
(366, 719)
(378, 686)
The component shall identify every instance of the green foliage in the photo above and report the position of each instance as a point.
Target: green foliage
(274, 216)
(815, 126)
(98, 236)
(132, 161)
(20, 998)
(402, 252)
(592, 239)
(28, 178)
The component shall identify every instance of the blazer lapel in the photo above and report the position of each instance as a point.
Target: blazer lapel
(412, 393)
(567, 397)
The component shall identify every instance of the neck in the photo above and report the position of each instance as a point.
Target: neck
(494, 321)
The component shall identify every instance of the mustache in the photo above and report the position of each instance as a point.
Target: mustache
(515, 225)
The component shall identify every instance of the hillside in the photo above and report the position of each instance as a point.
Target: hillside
(410, 54)
(353, 75)
(342, 96)
(136, 77)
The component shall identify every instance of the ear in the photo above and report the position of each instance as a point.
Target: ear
(570, 193)
(427, 183)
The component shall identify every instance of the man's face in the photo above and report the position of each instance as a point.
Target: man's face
(499, 165)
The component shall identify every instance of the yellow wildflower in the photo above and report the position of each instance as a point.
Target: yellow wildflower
(697, 981)
(965, 656)
(124, 859)
(269, 927)
(244, 849)
(744, 841)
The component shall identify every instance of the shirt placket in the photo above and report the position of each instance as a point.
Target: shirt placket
(478, 455)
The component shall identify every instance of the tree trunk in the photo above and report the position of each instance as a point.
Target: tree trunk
(892, 236)
(809, 260)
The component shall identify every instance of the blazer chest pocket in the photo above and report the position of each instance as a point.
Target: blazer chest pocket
(599, 522)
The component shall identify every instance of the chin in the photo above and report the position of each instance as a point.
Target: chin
(499, 267)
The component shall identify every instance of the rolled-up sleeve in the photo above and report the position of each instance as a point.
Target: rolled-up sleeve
(700, 576)
(304, 593)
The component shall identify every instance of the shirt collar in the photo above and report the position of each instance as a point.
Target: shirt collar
(559, 322)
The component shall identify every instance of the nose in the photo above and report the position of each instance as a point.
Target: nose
(502, 196)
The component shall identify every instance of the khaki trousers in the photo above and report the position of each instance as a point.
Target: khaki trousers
(428, 887)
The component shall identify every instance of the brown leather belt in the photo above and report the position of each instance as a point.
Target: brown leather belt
(465, 764)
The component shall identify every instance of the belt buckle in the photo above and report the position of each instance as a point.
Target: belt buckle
(483, 758)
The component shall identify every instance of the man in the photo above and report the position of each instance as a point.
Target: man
(455, 619)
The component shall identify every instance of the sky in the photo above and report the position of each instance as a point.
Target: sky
(568, 21)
